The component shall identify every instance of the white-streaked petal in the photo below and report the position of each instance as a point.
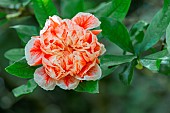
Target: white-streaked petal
(103, 49)
(43, 80)
(93, 74)
(56, 19)
(68, 82)
(33, 53)
(86, 20)
(47, 24)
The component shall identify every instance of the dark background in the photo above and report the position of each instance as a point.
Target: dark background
(149, 92)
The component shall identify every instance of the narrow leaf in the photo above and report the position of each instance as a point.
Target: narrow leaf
(156, 28)
(153, 65)
(25, 89)
(168, 37)
(117, 33)
(127, 75)
(21, 69)
(43, 9)
(88, 86)
(14, 54)
(112, 60)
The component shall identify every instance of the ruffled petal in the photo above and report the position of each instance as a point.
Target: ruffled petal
(55, 20)
(43, 80)
(94, 73)
(86, 20)
(96, 32)
(102, 49)
(33, 52)
(68, 82)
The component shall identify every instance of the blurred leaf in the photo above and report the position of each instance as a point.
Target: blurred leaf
(116, 9)
(43, 9)
(3, 19)
(153, 65)
(165, 68)
(15, 54)
(88, 86)
(117, 33)
(127, 74)
(21, 69)
(156, 29)
(168, 37)
(13, 4)
(25, 89)
(25, 32)
(70, 8)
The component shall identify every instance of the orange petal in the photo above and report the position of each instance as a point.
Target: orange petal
(68, 82)
(33, 52)
(43, 80)
(94, 73)
(86, 20)
(96, 32)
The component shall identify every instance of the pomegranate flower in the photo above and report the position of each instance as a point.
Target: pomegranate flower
(67, 50)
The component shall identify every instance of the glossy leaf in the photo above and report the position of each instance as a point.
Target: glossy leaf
(25, 32)
(137, 32)
(117, 33)
(43, 9)
(156, 28)
(116, 9)
(127, 75)
(21, 69)
(15, 54)
(107, 70)
(153, 65)
(161, 55)
(88, 86)
(25, 89)
(112, 60)
(70, 8)
(168, 37)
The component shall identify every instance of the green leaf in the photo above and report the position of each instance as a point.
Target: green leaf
(153, 61)
(116, 9)
(168, 37)
(156, 28)
(116, 32)
(21, 69)
(88, 86)
(15, 54)
(113, 60)
(25, 89)
(70, 8)
(25, 32)
(127, 75)
(161, 55)
(107, 70)
(43, 9)
(109, 63)
(153, 65)
(137, 32)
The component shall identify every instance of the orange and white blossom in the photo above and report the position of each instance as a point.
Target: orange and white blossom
(67, 50)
